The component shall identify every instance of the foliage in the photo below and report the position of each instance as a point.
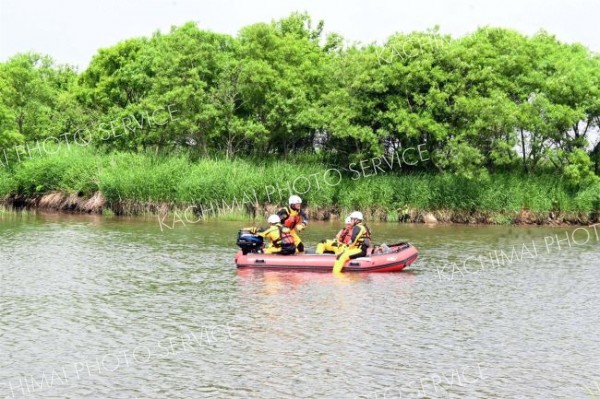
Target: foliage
(239, 184)
(488, 103)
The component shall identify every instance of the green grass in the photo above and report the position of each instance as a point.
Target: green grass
(178, 181)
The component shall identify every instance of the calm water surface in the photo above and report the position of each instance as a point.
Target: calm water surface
(95, 307)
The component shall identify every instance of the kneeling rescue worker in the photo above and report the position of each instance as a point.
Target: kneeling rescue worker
(280, 237)
(344, 236)
(295, 219)
(359, 242)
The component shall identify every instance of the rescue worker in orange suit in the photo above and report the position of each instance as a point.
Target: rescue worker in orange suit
(295, 219)
(343, 237)
(280, 237)
(359, 243)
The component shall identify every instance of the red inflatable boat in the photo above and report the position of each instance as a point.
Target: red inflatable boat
(393, 259)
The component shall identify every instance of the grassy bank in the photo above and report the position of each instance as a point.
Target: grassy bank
(78, 179)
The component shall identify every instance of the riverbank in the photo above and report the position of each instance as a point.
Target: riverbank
(80, 180)
(170, 214)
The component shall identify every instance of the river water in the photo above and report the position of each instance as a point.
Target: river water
(94, 307)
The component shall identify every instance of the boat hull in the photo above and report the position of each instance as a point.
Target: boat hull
(399, 256)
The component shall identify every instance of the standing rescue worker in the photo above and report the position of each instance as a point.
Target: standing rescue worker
(359, 242)
(344, 236)
(295, 219)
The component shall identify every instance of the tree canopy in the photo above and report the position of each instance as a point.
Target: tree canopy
(493, 100)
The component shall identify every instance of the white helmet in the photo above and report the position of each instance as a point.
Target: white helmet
(356, 215)
(274, 219)
(294, 199)
(348, 220)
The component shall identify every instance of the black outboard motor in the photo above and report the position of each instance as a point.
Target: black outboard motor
(248, 242)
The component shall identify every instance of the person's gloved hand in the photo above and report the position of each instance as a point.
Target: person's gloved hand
(253, 230)
(299, 228)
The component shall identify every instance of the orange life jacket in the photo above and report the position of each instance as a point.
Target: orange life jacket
(285, 237)
(293, 218)
(345, 235)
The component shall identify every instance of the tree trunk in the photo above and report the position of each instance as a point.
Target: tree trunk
(523, 150)
(596, 156)
(20, 121)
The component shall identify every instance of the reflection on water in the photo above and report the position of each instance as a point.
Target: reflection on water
(94, 307)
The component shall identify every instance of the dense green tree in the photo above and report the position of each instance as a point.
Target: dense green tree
(37, 102)
(493, 100)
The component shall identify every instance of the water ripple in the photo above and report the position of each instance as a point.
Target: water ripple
(103, 309)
